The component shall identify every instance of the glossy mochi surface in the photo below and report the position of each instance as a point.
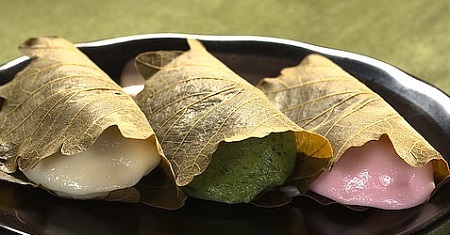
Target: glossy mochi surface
(112, 162)
(375, 176)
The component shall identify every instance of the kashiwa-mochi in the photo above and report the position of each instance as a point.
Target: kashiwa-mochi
(71, 129)
(225, 140)
(379, 160)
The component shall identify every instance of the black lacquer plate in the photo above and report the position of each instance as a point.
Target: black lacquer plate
(26, 210)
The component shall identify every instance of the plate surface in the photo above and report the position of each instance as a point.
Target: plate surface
(25, 210)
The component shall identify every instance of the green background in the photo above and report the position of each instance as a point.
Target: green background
(411, 35)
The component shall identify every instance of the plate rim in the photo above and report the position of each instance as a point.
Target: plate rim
(406, 80)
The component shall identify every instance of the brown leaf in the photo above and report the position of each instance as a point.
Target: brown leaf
(194, 102)
(321, 97)
(62, 102)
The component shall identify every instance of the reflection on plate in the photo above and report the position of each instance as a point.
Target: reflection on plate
(25, 210)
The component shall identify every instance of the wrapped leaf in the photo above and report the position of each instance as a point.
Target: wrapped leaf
(62, 102)
(195, 102)
(321, 97)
